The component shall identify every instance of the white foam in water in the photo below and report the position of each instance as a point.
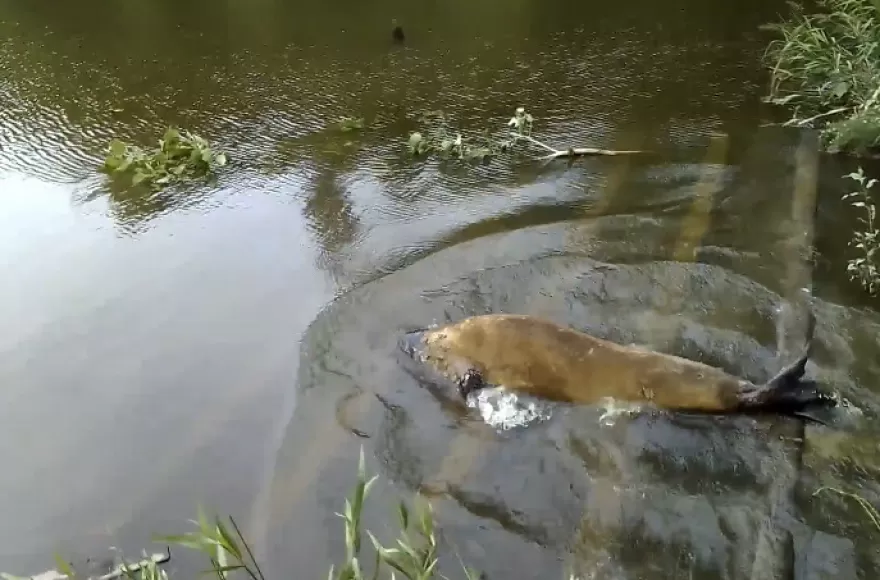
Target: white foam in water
(505, 410)
(612, 409)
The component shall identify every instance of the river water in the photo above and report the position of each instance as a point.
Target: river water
(158, 352)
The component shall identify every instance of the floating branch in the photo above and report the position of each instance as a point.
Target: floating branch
(573, 151)
(482, 148)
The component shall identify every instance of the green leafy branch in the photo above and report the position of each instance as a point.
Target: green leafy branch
(866, 268)
(482, 147)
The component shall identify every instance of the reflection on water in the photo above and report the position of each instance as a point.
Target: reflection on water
(150, 357)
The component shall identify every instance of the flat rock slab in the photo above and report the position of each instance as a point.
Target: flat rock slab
(650, 495)
(711, 497)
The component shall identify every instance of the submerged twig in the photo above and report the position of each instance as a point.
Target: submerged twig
(531, 139)
(869, 509)
(123, 569)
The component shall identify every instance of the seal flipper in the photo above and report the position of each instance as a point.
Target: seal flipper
(809, 415)
(788, 393)
(789, 376)
(471, 380)
(786, 385)
(795, 398)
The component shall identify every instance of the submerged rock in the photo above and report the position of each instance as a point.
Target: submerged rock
(634, 495)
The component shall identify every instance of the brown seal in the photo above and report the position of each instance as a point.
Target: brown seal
(540, 358)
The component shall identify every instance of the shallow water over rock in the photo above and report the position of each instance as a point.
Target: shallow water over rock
(645, 494)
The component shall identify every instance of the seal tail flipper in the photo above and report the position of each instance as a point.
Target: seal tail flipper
(812, 415)
(799, 399)
(789, 376)
(788, 392)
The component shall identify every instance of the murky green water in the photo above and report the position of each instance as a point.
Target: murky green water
(150, 346)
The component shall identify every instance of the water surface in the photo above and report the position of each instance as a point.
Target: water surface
(161, 351)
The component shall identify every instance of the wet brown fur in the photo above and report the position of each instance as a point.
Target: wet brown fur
(530, 355)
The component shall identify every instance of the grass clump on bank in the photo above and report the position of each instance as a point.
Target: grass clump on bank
(826, 67)
(413, 556)
(179, 156)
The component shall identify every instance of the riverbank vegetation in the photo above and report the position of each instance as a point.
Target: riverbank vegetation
(825, 68)
(413, 555)
(179, 156)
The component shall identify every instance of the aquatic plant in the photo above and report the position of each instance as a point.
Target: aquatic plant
(826, 68)
(178, 156)
(441, 140)
(348, 124)
(481, 147)
(866, 268)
